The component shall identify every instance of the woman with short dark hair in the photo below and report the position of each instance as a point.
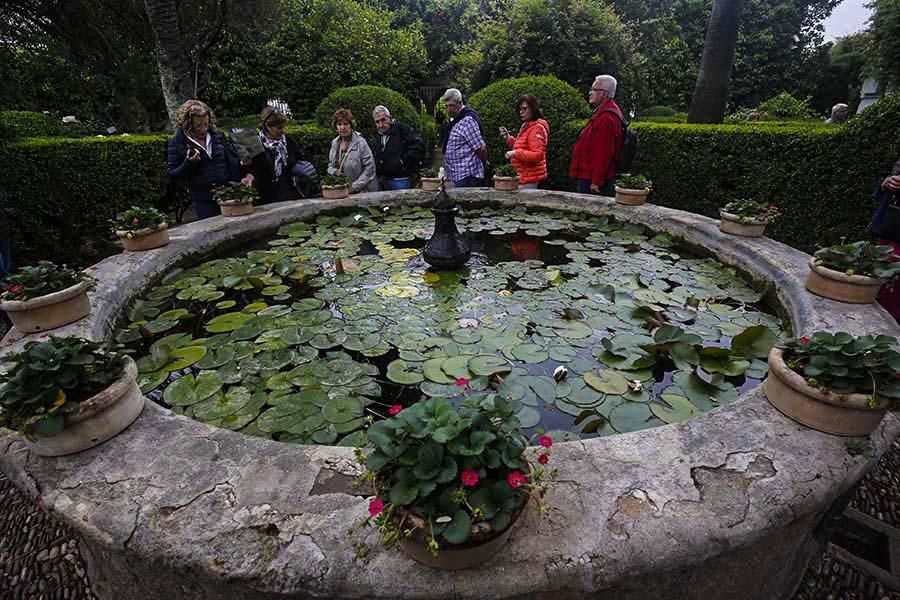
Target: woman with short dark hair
(529, 147)
(199, 155)
(281, 171)
(350, 155)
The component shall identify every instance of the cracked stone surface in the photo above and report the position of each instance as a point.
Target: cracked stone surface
(721, 506)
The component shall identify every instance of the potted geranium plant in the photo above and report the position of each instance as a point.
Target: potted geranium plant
(506, 178)
(235, 198)
(632, 190)
(46, 296)
(450, 482)
(431, 181)
(835, 382)
(68, 394)
(141, 228)
(335, 187)
(851, 272)
(747, 218)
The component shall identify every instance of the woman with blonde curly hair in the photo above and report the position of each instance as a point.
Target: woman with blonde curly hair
(198, 154)
(350, 155)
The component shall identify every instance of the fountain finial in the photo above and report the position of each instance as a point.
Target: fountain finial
(446, 250)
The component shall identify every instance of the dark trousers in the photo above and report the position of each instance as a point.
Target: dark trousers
(469, 182)
(583, 186)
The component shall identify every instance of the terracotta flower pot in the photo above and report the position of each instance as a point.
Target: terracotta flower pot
(482, 544)
(236, 209)
(731, 223)
(431, 184)
(854, 289)
(335, 192)
(506, 184)
(49, 312)
(145, 239)
(823, 411)
(99, 418)
(631, 197)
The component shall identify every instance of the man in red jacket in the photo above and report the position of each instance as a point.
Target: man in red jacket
(594, 155)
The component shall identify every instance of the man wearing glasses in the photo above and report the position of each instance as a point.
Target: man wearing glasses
(465, 152)
(593, 163)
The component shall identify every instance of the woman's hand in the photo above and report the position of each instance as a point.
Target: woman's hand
(248, 179)
(504, 132)
(891, 183)
(511, 154)
(246, 161)
(193, 154)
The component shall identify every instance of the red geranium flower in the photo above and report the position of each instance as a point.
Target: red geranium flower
(516, 479)
(375, 506)
(394, 409)
(462, 381)
(544, 459)
(135, 220)
(804, 340)
(546, 441)
(469, 477)
(897, 375)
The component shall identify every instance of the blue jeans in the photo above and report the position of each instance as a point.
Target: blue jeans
(469, 182)
(206, 209)
(583, 186)
(400, 183)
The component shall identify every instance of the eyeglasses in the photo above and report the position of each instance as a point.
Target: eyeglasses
(597, 89)
(523, 108)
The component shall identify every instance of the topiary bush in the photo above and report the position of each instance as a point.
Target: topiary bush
(658, 111)
(361, 99)
(496, 105)
(34, 124)
(786, 106)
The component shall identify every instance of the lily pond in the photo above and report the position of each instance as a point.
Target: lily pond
(338, 320)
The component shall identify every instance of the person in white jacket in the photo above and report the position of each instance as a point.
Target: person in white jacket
(350, 155)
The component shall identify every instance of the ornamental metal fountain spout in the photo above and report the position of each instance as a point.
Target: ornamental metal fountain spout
(447, 250)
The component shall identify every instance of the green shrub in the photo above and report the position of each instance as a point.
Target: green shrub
(25, 123)
(315, 141)
(676, 118)
(559, 154)
(785, 106)
(657, 111)
(496, 106)
(361, 99)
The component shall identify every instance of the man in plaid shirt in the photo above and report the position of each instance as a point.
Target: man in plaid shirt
(465, 152)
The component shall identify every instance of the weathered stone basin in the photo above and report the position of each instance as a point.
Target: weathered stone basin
(721, 506)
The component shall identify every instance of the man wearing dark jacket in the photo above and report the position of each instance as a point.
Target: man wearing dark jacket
(399, 151)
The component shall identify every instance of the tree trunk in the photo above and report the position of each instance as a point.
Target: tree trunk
(174, 63)
(711, 91)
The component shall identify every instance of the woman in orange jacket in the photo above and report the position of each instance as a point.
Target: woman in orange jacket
(529, 147)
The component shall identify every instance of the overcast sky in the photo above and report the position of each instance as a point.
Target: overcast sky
(850, 16)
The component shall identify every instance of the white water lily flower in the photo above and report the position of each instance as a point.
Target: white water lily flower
(357, 217)
(444, 519)
(560, 373)
(636, 385)
(386, 208)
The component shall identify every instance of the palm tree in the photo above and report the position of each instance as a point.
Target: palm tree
(711, 91)
(174, 62)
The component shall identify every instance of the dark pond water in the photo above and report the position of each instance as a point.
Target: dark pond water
(305, 336)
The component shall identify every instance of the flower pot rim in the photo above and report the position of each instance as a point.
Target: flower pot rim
(45, 300)
(233, 202)
(123, 233)
(506, 177)
(739, 219)
(435, 178)
(633, 191)
(779, 368)
(828, 273)
(335, 187)
(107, 396)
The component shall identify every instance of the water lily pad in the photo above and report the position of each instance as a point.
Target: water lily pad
(676, 408)
(630, 416)
(488, 364)
(228, 322)
(456, 367)
(185, 356)
(152, 380)
(530, 353)
(607, 382)
(341, 410)
(400, 372)
(186, 390)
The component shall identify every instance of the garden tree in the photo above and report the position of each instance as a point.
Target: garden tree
(884, 51)
(312, 48)
(711, 92)
(172, 57)
(668, 66)
(574, 40)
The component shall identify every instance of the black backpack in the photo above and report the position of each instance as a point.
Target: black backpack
(628, 152)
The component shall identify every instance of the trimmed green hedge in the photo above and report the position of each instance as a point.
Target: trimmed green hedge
(23, 123)
(496, 106)
(361, 99)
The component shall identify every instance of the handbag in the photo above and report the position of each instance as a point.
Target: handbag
(885, 222)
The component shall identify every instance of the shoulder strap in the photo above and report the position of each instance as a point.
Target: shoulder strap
(619, 116)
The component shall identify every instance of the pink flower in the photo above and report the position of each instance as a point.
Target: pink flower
(462, 381)
(773, 206)
(395, 409)
(375, 507)
(897, 375)
(469, 477)
(546, 441)
(544, 459)
(135, 220)
(516, 479)
(804, 340)
(13, 288)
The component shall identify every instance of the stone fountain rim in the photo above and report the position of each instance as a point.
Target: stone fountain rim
(649, 508)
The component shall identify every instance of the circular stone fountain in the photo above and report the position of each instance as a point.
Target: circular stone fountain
(724, 505)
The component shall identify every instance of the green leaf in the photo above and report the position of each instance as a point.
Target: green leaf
(403, 493)
(459, 528)
(754, 342)
(400, 372)
(608, 382)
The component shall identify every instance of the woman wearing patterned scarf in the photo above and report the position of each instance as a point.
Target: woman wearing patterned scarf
(281, 173)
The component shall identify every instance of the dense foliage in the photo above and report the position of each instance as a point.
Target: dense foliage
(844, 364)
(496, 106)
(47, 380)
(137, 218)
(234, 192)
(361, 99)
(633, 182)
(860, 258)
(752, 212)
